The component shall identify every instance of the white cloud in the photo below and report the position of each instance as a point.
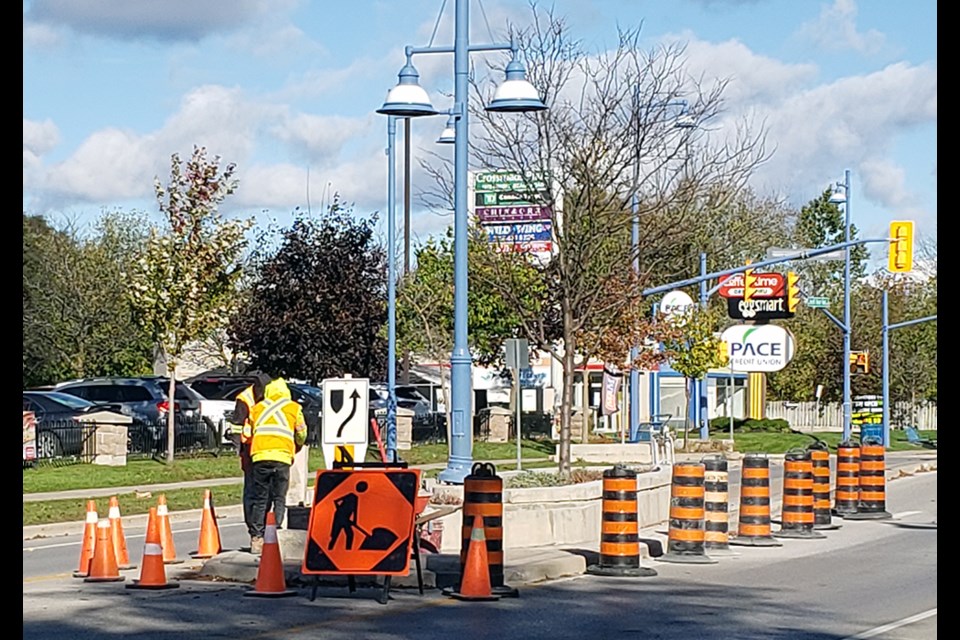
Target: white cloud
(40, 137)
(40, 37)
(320, 138)
(835, 29)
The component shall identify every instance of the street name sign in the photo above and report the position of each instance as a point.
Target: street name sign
(817, 302)
(346, 404)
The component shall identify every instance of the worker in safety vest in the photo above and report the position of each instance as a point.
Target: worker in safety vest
(277, 431)
(242, 410)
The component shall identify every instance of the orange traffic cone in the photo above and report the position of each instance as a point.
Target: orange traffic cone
(475, 581)
(89, 541)
(209, 545)
(103, 566)
(116, 535)
(271, 582)
(166, 532)
(152, 573)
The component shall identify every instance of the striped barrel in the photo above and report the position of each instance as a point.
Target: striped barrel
(873, 501)
(848, 479)
(797, 514)
(619, 526)
(753, 528)
(685, 541)
(483, 497)
(716, 498)
(820, 458)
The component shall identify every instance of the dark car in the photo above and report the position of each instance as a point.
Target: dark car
(62, 421)
(145, 400)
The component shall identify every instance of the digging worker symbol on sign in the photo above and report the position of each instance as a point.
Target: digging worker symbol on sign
(345, 516)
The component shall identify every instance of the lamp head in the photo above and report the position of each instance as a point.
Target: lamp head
(516, 94)
(408, 99)
(838, 196)
(449, 134)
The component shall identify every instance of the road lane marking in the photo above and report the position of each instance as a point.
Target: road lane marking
(870, 633)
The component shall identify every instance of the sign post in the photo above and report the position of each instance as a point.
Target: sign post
(518, 357)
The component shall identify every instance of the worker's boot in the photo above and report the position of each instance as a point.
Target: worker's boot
(256, 545)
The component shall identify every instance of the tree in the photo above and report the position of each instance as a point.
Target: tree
(76, 321)
(608, 140)
(184, 283)
(693, 351)
(315, 306)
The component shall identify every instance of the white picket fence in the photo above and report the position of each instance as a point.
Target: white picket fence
(804, 415)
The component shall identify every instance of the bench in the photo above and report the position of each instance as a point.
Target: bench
(914, 437)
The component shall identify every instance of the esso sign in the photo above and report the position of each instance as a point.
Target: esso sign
(758, 348)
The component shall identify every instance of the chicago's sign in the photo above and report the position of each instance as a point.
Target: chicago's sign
(758, 348)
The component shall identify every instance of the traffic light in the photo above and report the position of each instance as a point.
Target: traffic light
(723, 352)
(860, 362)
(749, 280)
(901, 246)
(793, 291)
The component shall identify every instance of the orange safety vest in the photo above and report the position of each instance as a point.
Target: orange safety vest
(278, 429)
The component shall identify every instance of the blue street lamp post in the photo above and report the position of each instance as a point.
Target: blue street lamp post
(391, 290)
(844, 199)
(410, 100)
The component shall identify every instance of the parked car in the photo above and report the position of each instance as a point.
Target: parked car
(408, 397)
(145, 400)
(62, 421)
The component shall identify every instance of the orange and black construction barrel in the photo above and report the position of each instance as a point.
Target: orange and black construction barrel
(685, 540)
(716, 535)
(873, 501)
(848, 479)
(820, 457)
(483, 496)
(753, 527)
(619, 527)
(796, 519)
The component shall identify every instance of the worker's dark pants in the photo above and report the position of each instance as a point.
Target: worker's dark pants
(271, 479)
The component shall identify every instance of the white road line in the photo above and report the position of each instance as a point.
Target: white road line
(870, 633)
(904, 514)
(79, 541)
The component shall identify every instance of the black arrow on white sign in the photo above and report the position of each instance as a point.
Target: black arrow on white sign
(353, 411)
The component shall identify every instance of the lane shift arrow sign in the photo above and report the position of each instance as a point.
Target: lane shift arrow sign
(353, 411)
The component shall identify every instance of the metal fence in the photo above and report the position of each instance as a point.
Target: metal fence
(829, 415)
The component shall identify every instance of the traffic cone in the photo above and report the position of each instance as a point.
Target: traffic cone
(271, 582)
(117, 536)
(152, 573)
(475, 581)
(209, 544)
(166, 532)
(103, 566)
(89, 541)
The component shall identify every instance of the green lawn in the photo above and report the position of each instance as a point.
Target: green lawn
(138, 473)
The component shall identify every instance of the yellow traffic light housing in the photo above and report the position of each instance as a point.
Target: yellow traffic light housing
(901, 246)
(723, 353)
(793, 291)
(860, 362)
(749, 281)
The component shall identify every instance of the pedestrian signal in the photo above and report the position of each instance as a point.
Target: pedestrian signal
(860, 362)
(901, 246)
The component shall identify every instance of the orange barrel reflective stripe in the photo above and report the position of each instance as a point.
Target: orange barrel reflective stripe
(753, 528)
(619, 527)
(820, 458)
(716, 498)
(796, 518)
(483, 496)
(848, 479)
(686, 537)
(873, 501)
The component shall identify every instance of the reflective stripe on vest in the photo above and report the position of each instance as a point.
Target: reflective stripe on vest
(278, 425)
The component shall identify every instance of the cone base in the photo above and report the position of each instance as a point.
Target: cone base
(799, 535)
(505, 591)
(459, 596)
(755, 542)
(875, 515)
(175, 561)
(136, 584)
(827, 527)
(202, 556)
(681, 559)
(80, 574)
(843, 513)
(124, 567)
(270, 594)
(626, 572)
(104, 579)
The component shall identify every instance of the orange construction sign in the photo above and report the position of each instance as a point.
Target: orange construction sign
(361, 522)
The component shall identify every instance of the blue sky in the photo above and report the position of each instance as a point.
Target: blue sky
(287, 90)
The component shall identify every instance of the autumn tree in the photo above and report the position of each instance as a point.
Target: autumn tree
(610, 141)
(315, 306)
(184, 283)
